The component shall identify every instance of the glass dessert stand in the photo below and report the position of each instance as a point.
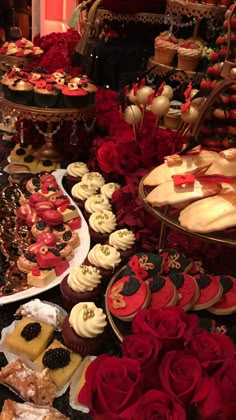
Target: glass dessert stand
(53, 118)
(168, 217)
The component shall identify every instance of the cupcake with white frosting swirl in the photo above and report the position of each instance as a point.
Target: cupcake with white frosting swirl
(94, 178)
(83, 190)
(75, 172)
(83, 330)
(83, 283)
(95, 203)
(109, 188)
(106, 258)
(101, 224)
(124, 241)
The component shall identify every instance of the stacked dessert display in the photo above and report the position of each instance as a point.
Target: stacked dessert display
(18, 53)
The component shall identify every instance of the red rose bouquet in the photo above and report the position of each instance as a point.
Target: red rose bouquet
(169, 369)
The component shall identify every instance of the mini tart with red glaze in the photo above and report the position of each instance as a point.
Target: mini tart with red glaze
(175, 262)
(210, 291)
(127, 296)
(163, 292)
(187, 289)
(227, 304)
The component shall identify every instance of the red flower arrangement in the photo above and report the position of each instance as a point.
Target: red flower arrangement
(169, 369)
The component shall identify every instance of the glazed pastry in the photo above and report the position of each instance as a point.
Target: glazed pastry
(169, 193)
(163, 292)
(227, 303)
(210, 291)
(176, 164)
(109, 188)
(48, 313)
(29, 338)
(210, 214)
(94, 178)
(175, 262)
(32, 386)
(127, 296)
(60, 362)
(187, 289)
(83, 330)
(17, 411)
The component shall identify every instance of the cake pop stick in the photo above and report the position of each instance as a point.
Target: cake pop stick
(133, 115)
(143, 98)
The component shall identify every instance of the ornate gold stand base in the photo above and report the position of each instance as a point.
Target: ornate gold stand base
(48, 151)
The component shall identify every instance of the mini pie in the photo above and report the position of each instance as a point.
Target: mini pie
(32, 386)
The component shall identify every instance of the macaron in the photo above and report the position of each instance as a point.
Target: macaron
(52, 217)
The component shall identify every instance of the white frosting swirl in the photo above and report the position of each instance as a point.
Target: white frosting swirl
(87, 320)
(190, 52)
(104, 256)
(96, 203)
(83, 190)
(122, 239)
(95, 178)
(84, 278)
(77, 169)
(103, 221)
(108, 189)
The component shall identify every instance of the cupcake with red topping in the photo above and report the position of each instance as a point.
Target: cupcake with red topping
(189, 55)
(45, 94)
(82, 284)
(74, 96)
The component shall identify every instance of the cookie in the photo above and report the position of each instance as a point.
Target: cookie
(127, 296)
(187, 288)
(163, 292)
(227, 304)
(175, 262)
(144, 265)
(210, 291)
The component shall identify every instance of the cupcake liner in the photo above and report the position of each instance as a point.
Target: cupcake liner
(164, 56)
(188, 63)
(70, 298)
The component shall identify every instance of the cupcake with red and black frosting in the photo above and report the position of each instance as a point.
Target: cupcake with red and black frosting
(127, 296)
(39, 227)
(45, 94)
(187, 288)
(163, 292)
(175, 262)
(210, 289)
(84, 330)
(227, 303)
(82, 284)
(74, 96)
(124, 241)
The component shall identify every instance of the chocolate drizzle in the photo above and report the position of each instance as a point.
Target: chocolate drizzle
(226, 283)
(157, 283)
(203, 281)
(130, 287)
(177, 279)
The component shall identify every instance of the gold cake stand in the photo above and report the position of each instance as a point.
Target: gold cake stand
(50, 116)
(7, 61)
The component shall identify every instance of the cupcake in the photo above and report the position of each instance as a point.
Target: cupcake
(95, 178)
(45, 95)
(97, 202)
(7, 80)
(101, 224)
(91, 89)
(82, 284)
(75, 171)
(124, 241)
(104, 257)
(21, 92)
(83, 190)
(74, 96)
(172, 119)
(189, 55)
(83, 331)
(109, 188)
(166, 46)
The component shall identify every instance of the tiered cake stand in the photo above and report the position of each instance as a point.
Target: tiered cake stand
(7, 61)
(53, 118)
(198, 11)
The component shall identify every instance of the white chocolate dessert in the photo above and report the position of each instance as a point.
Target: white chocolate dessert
(176, 164)
(168, 193)
(210, 214)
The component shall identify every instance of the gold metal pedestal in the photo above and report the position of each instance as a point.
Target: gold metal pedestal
(49, 116)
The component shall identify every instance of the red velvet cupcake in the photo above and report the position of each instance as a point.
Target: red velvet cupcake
(74, 96)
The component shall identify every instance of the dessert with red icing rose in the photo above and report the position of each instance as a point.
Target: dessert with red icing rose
(82, 284)
(163, 292)
(127, 296)
(83, 330)
(227, 303)
(210, 289)
(144, 265)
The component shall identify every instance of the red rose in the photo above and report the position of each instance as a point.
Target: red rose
(171, 325)
(181, 376)
(129, 156)
(156, 405)
(212, 407)
(227, 385)
(107, 157)
(215, 352)
(144, 348)
(112, 385)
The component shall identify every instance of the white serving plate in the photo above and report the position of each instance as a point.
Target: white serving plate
(80, 254)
